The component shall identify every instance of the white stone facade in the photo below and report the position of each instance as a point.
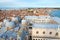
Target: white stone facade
(45, 34)
(38, 19)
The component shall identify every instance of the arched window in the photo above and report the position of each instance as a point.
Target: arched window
(37, 32)
(56, 34)
(33, 39)
(41, 39)
(50, 33)
(38, 39)
(43, 32)
(44, 39)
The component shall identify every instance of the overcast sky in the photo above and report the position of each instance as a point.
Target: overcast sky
(28, 3)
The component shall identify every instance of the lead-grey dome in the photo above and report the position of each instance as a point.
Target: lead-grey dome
(16, 19)
(10, 24)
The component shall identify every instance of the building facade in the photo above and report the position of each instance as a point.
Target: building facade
(43, 27)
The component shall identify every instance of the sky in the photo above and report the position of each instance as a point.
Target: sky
(28, 3)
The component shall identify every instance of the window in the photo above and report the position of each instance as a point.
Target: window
(50, 33)
(56, 34)
(41, 39)
(43, 32)
(37, 32)
(33, 39)
(30, 27)
(38, 39)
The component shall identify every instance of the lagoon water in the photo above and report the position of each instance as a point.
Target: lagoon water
(55, 13)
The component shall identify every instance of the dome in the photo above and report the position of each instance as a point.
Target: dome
(5, 20)
(16, 19)
(9, 34)
(24, 23)
(2, 30)
(10, 24)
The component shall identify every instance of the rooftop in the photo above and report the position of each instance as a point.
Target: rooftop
(55, 26)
